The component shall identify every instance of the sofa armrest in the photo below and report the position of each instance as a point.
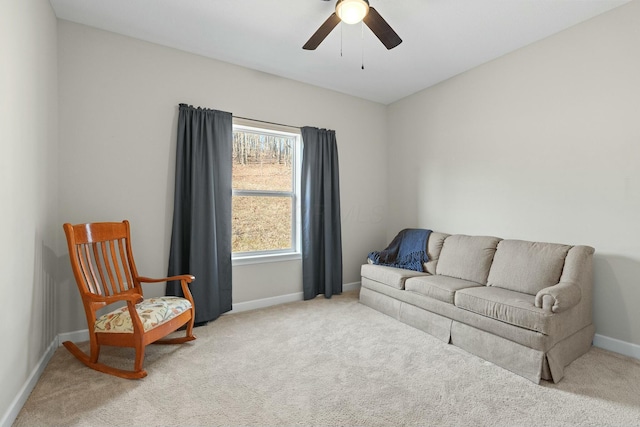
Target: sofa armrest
(558, 298)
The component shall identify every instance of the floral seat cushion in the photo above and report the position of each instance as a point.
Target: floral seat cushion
(152, 312)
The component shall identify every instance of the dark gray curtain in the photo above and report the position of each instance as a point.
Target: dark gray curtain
(321, 229)
(201, 235)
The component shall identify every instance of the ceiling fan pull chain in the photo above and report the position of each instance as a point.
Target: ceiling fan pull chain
(362, 41)
(341, 31)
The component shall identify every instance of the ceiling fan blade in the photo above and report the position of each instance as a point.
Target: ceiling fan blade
(381, 29)
(322, 32)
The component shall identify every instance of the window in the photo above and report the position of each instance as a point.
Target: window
(266, 182)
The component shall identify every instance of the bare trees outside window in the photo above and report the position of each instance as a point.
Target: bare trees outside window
(264, 203)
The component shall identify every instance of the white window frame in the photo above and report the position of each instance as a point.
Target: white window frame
(254, 257)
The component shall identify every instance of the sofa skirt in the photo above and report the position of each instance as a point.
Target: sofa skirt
(531, 363)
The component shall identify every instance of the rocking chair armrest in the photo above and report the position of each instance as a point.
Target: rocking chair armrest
(186, 277)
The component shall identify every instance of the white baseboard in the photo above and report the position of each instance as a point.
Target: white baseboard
(617, 346)
(75, 336)
(265, 302)
(14, 408)
(353, 286)
(281, 299)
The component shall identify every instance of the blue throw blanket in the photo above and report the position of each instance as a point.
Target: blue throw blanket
(407, 250)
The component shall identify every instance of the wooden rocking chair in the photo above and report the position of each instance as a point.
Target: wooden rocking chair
(105, 273)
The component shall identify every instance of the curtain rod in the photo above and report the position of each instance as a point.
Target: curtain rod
(269, 123)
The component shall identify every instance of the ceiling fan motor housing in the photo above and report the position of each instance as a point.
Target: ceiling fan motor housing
(352, 11)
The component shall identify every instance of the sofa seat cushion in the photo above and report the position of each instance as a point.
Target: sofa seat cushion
(527, 266)
(390, 276)
(514, 308)
(442, 288)
(467, 257)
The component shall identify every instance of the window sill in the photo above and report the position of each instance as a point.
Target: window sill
(260, 259)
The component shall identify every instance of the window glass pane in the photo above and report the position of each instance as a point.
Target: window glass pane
(261, 223)
(262, 161)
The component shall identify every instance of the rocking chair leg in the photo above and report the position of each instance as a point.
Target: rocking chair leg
(190, 326)
(94, 349)
(139, 359)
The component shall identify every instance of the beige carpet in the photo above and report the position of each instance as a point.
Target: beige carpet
(327, 362)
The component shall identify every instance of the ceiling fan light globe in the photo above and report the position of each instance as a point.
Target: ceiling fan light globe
(352, 11)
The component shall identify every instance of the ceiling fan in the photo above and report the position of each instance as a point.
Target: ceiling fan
(352, 12)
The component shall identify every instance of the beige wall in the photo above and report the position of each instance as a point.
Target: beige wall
(28, 189)
(118, 112)
(541, 144)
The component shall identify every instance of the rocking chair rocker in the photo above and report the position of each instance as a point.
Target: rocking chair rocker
(103, 266)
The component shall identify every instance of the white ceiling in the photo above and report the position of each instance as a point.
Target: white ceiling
(441, 38)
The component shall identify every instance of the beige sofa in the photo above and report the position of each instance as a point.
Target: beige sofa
(525, 306)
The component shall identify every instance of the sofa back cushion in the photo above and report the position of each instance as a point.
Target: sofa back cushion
(434, 244)
(527, 267)
(434, 247)
(467, 257)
